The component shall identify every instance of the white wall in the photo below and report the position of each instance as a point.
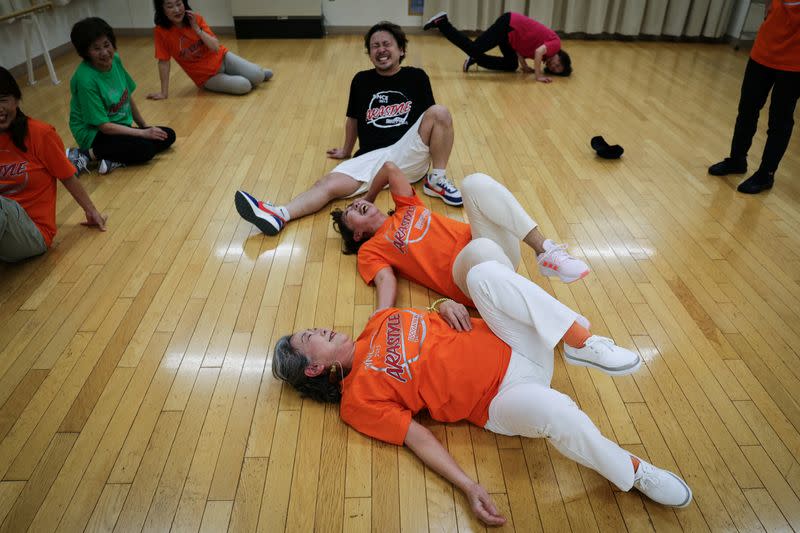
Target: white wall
(361, 13)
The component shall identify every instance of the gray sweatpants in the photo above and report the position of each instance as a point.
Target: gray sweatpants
(237, 76)
(19, 236)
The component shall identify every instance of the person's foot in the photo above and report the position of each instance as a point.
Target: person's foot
(267, 74)
(468, 62)
(263, 215)
(661, 486)
(107, 166)
(435, 20)
(443, 188)
(601, 353)
(79, 159)
(761, 180)
(555, 261)
(728, 166)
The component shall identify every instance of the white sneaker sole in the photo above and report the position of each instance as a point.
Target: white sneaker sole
(624, 371)
(550, 273)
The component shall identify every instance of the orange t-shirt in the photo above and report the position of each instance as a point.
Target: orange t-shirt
(418, 245)
(190, 52)
(406, 361)
(778, 41)
(29, 178)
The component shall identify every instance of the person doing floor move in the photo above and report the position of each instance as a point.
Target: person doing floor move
(495, 375)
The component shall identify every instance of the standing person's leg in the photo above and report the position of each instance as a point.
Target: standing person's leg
(238, 66)
(756, 84)
(496, 214)
(785, 93)
(19, 236)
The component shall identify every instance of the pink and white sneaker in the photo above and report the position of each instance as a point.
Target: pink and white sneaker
(555, 261)
(263, 215)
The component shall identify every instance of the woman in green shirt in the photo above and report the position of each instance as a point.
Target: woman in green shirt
(102, 109)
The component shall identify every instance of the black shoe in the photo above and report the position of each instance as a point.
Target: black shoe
(468, 63)
(760, 181)
(435, 20)
(603, 149)
(728, 166)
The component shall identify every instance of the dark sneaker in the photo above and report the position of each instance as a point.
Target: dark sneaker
(760, 181)
(728, 166)
(468, 63)
(107, 166)
(263, 215)
(435, 20)
(443, 188)
(79, 160)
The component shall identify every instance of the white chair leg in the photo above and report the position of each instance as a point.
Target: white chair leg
(26, 36)
(45, 51)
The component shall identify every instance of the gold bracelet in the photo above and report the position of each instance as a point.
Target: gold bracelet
(437, 302)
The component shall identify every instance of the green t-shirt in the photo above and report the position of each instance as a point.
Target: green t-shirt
(97, 98)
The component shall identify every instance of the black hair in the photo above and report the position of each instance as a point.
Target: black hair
(87, 31)
(18, 129)
(289, 365)
(160, 17)
(396, 31)
(566, 62)
(349, 243)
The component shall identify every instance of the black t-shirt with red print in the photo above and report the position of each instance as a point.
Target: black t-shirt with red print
(387, 106)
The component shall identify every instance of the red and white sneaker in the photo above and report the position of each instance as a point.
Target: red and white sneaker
(555, 261)
(263, 215)
(443, 188)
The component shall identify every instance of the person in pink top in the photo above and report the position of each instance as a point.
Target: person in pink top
(520, 38)
(184, 36)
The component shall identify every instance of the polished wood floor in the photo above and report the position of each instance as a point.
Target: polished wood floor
(135, 383)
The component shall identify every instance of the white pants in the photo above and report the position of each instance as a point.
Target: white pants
(498, 223)
(235, 76)
(409, 153)
(531, 321)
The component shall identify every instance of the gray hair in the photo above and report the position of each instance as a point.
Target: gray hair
(289, 365)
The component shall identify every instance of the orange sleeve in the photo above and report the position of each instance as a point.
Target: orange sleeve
(405, 201)
(385, 421)
(370, 263)
(160, 37)
(203, 26)
(50, 150)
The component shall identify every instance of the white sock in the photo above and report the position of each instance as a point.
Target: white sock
(284, 213)
(547, 244)
(437, 173)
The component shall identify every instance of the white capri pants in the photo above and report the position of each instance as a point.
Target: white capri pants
(532, 322)
(498, 223)
(409, 153)
(236, 76)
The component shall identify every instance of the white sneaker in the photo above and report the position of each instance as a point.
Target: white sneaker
(601, 353)
(78, 160)
(661, 486)
(107, 166)
(264, 215)
(555, 261)
(443, 188)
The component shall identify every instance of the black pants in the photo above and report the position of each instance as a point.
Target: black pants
(495, 35)
(128, 149)
(757, 83)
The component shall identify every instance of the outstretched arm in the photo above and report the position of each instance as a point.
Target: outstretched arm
(350, 133)
(386, 287)
(93, 217)
(389, 174)
(421, 441)
(163, 74)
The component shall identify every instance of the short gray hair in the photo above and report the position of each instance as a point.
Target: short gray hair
(289, 365)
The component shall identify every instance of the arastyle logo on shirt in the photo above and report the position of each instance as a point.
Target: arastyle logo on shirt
(401, 239)
(13, 176)
(401, 350)
(193, 51)
(114, 109)
(388, 109)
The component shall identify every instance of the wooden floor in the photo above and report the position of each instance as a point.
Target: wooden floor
(135, 378)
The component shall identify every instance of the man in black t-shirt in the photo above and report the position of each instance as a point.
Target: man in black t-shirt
(392, 112)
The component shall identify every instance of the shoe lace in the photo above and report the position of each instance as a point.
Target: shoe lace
(646, 480)
(557, 253)
(596, 341)
(445, 183)
(81, 162)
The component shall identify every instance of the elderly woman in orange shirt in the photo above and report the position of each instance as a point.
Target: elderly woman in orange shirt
(183, 35)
